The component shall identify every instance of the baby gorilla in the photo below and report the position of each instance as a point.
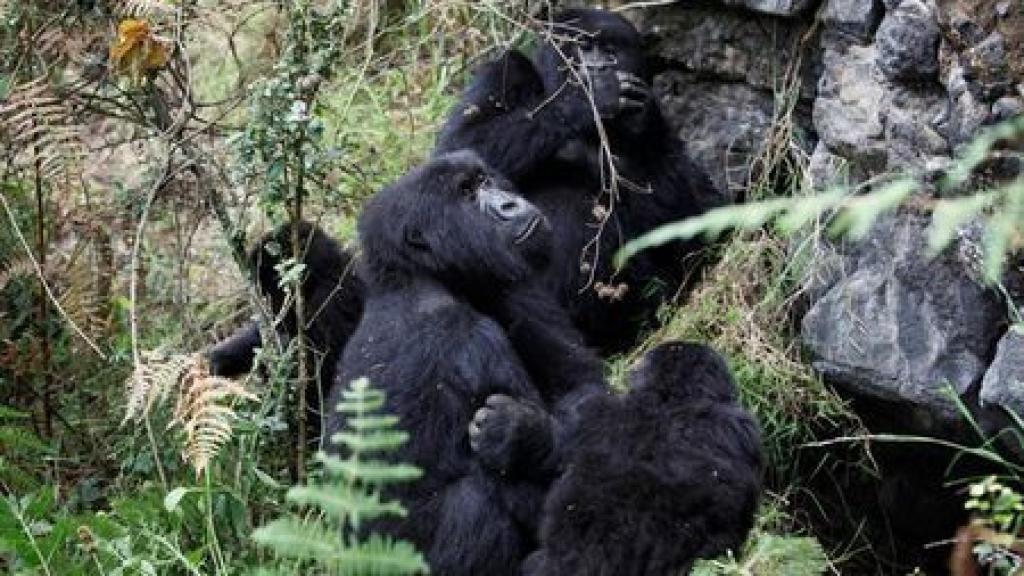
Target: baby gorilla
(667, 474)
(442, 248)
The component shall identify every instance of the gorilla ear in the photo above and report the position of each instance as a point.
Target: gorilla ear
(414, 238)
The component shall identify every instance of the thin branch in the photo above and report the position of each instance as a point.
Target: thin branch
(42, 278)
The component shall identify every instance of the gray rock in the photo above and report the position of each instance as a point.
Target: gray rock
(967, 114)
(1007, 107)
(900, 327)
(909, 134)
(990, 52)
(827, 169)
(730, 46)
(724, 125)
(848, 111)
(908, 41)
(1003, 384)
(777, 7)
(857, 18)
(966, 111)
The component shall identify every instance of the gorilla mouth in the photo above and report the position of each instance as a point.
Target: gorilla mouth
(528, 230)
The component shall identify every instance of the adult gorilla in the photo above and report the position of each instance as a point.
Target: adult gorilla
(537, 123)
(449, 256)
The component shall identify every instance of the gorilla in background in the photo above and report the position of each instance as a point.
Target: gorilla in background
(669, 473)
(334, 301)
(450, 254)
(535, 122)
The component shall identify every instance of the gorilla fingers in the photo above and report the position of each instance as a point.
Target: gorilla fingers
(508, 434)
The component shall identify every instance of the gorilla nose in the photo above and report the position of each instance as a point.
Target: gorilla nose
(504, 206)
(510, 209)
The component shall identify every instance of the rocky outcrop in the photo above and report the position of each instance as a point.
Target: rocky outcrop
(904, 328)
(722, 70)
(1003, 384)
(881, 86)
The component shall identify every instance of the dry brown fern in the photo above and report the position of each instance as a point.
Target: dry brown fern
(203, 409)
(204, 412)
(80, 296)
(41, 127)
(16, 269)
(155, 375)
(139, 8)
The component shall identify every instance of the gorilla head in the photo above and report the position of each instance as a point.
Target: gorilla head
(454, 221)
(662, 369)
(596, 51)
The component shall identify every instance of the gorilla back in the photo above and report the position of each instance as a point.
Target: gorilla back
(667, 474)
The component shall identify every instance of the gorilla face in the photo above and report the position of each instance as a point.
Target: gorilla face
(601, 52)
(456, 220)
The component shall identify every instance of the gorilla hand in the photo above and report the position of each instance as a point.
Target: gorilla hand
(506, 433)
(634, 93)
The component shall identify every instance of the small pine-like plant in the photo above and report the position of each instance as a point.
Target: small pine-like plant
(349, 496)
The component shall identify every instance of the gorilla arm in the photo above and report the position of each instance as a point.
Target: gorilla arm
(234, 355)
(506, 117)
(566, 373)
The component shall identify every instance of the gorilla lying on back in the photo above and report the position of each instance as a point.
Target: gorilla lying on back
(535, 122)
(667, 474)
(448, 251)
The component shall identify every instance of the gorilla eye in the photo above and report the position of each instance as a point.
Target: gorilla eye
(469, 185)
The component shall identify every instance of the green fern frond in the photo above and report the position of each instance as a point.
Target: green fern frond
(367, 441)
(351, 494)
(340, 504)
(21, 442)
(374, 472)
(292, 538)
(8, 413)
(771, 555)
(380, 556)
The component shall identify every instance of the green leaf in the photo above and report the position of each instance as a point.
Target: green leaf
(371, 442)
(338, 503)
(372, 471)
(950, 214)
(860, 213)
(710, 224)
(293, 539)
(173, 498)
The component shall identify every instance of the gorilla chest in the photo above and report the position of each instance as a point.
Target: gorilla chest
(587, 229)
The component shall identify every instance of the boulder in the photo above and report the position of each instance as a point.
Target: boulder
(856, 18)
(848, 111)
(777, 7)
(1003, 384)
(908, 41)
(902, 328)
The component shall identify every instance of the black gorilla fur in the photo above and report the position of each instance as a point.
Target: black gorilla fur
(666, 474)
(548, 147)
(449, 254)
(533, 122)
(334, 301)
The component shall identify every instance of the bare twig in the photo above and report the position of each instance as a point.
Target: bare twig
(42, 278)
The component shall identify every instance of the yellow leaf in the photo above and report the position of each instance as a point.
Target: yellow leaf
(137, 50)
